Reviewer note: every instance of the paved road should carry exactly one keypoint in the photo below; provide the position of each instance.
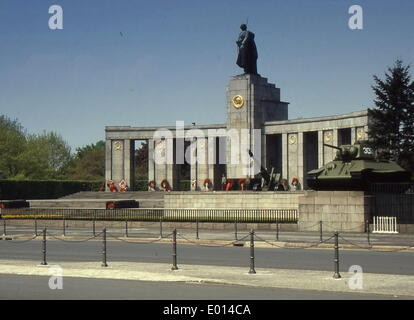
(36, 287)
(304, 259)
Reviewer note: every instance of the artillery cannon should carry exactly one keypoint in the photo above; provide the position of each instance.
(355, 168)
(270, 181)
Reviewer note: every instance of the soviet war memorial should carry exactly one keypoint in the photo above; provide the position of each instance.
(257, 153)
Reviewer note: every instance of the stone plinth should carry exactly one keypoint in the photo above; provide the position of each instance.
(259, 102)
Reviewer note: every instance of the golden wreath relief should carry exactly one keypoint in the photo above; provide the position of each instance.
(237, 101)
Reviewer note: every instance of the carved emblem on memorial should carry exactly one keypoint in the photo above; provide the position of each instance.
(238, 101)
(292, 139)
(328, 136)
(360, 134)
(118, 145)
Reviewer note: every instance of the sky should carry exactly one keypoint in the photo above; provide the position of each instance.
(148, 63)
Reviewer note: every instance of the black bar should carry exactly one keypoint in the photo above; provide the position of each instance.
(64, 227)
(197, 237)
(252, 271)
(4, 227)
(277, 231)
(336, 260)
(126, 228)
(35, 226)
(104, 264)
(320, 231)
(44, 263)
(174, 254)
(368, 232)
(160, 227)
(235, 230)
(93, 227)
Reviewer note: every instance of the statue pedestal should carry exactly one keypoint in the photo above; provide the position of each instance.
(251, 101)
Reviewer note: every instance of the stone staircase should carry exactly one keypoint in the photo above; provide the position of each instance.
(97, 200)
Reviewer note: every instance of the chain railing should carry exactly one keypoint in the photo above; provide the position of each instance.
(251, 235)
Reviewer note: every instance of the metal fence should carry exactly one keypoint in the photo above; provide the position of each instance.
(157, 214)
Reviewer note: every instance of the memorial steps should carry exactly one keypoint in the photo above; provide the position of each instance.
(97, 200)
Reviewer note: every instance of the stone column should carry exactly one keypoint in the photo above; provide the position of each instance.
(129, 162)
(285, 159)
(300, 160)
(293, 156)
(170, 162)
(108, 162)
(353, 135)
(320, 149)
(151, 163)
(194, 164)
(202, 160)
(118, 160)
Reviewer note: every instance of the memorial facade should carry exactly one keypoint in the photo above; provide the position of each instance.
(257, 120)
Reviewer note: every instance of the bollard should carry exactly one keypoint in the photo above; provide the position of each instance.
(4, 227)
(160, 227)
(235, 230)
(104, 264)
(126, 228)
(277, 231)
(44, 263)
(336, 260)
(368, 231)
(197, 237)
(252, 271)
(174, 254)
(93, 227)
(64, 227)
(320, 232)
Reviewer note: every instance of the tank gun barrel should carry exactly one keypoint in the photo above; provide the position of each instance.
(331, 146)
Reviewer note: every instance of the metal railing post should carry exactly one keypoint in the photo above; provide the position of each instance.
(64, 227)
(368, 231)
(320, 231)
(235, 230)
(44, 263)
(93, 227)
(197, 237)
(252, 270)
(35, 226)
(174, 254)
(126, 228)
(277, 231)
(336, 260)
(160, 227)
(4, 227)
(104, 264)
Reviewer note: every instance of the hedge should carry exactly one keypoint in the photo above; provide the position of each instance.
(44, 189)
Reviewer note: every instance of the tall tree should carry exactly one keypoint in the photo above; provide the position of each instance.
(391, 128)
(88, 163)
(12, 144)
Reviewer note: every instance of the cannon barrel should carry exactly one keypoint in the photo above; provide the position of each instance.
(331, 146)
(263, 171)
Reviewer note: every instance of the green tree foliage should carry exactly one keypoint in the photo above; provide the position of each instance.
(46, 156)
(391, 123)
(12, 144)
(141, 162)
(31, 156)
(88, 162)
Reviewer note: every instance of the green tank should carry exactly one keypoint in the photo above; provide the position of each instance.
(355, 168)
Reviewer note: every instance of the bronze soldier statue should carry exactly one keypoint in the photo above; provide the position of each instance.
(247, 58)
